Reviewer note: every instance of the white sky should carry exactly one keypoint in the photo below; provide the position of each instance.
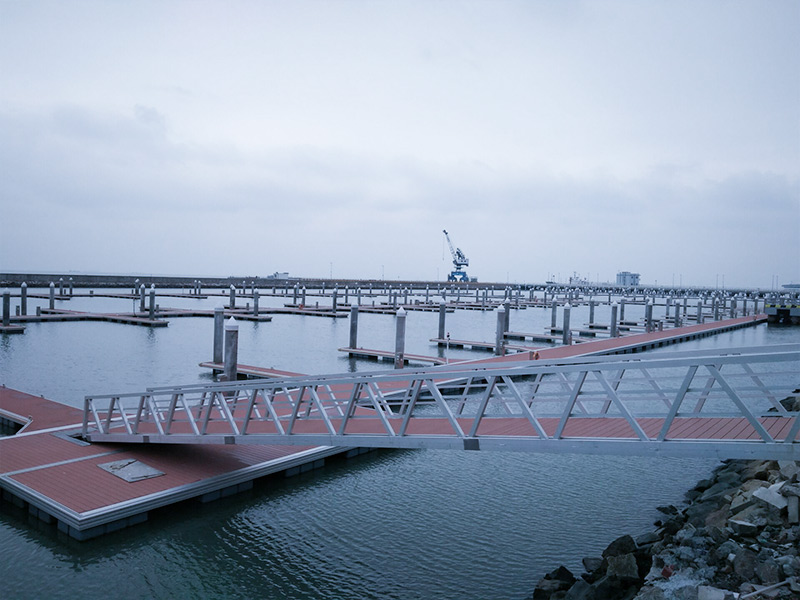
(319, 138)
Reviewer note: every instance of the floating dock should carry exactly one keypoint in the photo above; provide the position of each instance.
(88, 490)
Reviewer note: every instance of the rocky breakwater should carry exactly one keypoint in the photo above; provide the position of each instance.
(736, 538)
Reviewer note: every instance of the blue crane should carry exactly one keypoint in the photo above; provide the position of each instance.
(459, 262)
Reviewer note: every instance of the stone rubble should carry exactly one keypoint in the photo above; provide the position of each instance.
(737, 538)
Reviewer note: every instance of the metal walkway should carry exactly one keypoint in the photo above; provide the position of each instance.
(726, 405)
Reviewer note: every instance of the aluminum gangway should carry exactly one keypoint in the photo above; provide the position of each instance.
(736, 403)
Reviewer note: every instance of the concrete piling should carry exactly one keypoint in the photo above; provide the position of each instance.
(23, 298)
(61, 286)
(507, 319)
(499, 347)
(6, 308)
(334, 297)
(565, 337)
(648, 317)
(553, 313)
(219, 322)
(400, 338)
(354, 326)
(52, 295)
(622, 309)
(613, 325)
(232, 300)
(152, 301)
(303, 296)
(442, 317)
(255, 302)
(141, 298)
(591, 312)
(231, 349)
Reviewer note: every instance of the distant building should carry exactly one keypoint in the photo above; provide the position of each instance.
(278, 275)
(627, 279)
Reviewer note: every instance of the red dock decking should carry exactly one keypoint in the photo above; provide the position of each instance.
(60, 480)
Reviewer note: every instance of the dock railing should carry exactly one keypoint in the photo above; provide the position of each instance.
(736, 403)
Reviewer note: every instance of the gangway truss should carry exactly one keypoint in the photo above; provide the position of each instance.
(733, 404)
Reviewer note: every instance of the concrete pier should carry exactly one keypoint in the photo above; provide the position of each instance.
(231, 349)
(6, 308)
(354, 326)
(400, 338)
(219, 323)
(499, 333)
(614, 332)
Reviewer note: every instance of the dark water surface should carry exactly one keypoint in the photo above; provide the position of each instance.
(390, 524)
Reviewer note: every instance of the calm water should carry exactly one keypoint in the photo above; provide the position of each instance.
(402, 524)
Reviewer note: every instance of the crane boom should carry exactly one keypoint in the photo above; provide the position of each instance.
(459, 261)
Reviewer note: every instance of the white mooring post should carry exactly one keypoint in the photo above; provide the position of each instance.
(152, 301)
(442, 317)
(334, 297)
(507, 320)
(219, 322)
(23, 298)
(61, 286)
(354, 326)
(232, 300)
(499, 347)
(565, 337)
(613, 326)
(231, 349)
(141, 298)
(554, 313)
(255, 302)
(591, 312)
(648, 317)
(622, 309)
(400, 338)
(52, 295)
(6, 308)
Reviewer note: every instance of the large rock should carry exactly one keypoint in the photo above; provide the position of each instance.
(621, 545)
(558, 580)
(581, 590)
(768, 572)
(744, 563)
(743, 528)
(771, 496)
(788, 469)
(623, 567)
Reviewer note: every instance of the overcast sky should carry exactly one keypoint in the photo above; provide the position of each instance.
(340, 138)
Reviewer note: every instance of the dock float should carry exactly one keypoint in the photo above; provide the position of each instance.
(250, 370)
(389, 355)
(464, 344)
(87, 490)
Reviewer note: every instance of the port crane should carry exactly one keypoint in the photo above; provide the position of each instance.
(459, 262)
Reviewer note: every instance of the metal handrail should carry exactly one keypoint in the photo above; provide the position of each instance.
(544, 403)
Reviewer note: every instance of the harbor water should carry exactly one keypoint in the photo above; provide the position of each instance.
(415, 524)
